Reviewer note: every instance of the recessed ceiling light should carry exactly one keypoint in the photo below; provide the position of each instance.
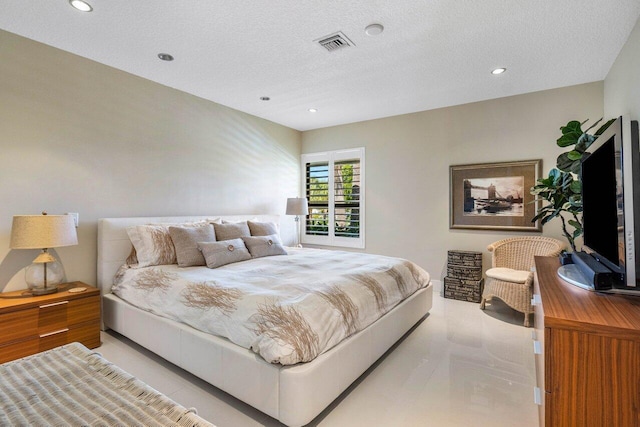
(82, 6)
(313, 110)
(165, 57)
(264, 98)
(374, 29)
(499, 71)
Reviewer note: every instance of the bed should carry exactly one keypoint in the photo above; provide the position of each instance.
(293, 394)
(72, 385)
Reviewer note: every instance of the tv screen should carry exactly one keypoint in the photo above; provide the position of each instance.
(608, 184)
(603, 203)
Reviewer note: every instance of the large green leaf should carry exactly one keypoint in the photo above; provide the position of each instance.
(574, 155)
(564, 163)
(572, 126)
(576, 187)
(568, 139)
(575, 223)
(604, 127)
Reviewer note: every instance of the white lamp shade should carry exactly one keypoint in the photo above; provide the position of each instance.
(43, 231)
(297, 206)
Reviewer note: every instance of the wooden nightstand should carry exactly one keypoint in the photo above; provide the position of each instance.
(37, 323)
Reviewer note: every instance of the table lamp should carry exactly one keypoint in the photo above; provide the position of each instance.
(297, 206)
(43, 232)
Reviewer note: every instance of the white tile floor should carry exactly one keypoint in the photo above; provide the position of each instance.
(459, 367)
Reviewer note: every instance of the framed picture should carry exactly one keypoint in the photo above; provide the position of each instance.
(494, 196)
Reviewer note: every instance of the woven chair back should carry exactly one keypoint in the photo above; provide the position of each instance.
(519, 252)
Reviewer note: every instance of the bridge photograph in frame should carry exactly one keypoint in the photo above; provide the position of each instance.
(494, 196)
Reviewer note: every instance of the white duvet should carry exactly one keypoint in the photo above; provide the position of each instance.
(287, 308)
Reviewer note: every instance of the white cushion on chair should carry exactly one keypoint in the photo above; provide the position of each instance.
(509, 275)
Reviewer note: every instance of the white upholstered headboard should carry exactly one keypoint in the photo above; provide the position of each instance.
(114, 245)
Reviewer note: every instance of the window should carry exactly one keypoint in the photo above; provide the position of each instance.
(334, 187)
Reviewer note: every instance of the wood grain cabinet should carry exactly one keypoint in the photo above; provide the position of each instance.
(30, 325)
(587, 349)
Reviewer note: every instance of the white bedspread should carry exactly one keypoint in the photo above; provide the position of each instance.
(288, 308)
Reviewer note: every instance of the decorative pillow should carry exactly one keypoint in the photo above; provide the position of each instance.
(230, 231)
(224, 252)
(185, 240)
(153, 243)
(260, 246)
(262, 228)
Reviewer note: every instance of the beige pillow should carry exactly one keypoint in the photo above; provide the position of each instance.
(153, 243)
(230, 231)
(185, 240)
(260, 246)
(224, 252)
(262, 228)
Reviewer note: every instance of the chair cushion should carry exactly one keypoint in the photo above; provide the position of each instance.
(509, 274)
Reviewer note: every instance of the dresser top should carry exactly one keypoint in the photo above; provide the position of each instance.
(569, 306)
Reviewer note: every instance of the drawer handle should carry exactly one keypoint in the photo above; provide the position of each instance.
(54, 304)
(537, 396)
(537, 347)
(54, 333)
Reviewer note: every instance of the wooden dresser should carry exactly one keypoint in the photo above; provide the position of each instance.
(587, 349)
(33, 324)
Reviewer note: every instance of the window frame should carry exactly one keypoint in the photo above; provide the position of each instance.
(332, 157)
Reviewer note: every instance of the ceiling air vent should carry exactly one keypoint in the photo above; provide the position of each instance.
(335, 41)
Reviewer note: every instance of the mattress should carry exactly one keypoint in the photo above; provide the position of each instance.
(71, 385)
(288, 308)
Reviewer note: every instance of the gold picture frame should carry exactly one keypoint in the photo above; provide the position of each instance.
(494, 196)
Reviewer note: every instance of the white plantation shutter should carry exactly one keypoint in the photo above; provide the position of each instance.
(346, 196)
(334, 186)
(317, 193)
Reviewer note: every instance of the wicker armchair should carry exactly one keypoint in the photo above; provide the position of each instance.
(510, 278)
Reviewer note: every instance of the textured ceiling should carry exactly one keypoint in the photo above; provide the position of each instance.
(432, 53)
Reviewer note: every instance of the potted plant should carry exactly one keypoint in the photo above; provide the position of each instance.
(562, 188)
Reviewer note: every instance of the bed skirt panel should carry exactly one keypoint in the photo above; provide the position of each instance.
(296, 394)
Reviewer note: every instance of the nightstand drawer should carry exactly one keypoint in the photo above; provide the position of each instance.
(18, 325)
(17, 350)
(85, 334)
(61, 314)
(88, 334)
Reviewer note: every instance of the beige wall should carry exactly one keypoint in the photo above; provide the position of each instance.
(78, 136)
(408, 158)
(622, 85)
(82, 137)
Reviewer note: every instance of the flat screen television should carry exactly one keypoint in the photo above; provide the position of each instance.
(610, 190)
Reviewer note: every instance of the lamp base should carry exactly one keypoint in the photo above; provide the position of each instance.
(50, 289)
(44, 278)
